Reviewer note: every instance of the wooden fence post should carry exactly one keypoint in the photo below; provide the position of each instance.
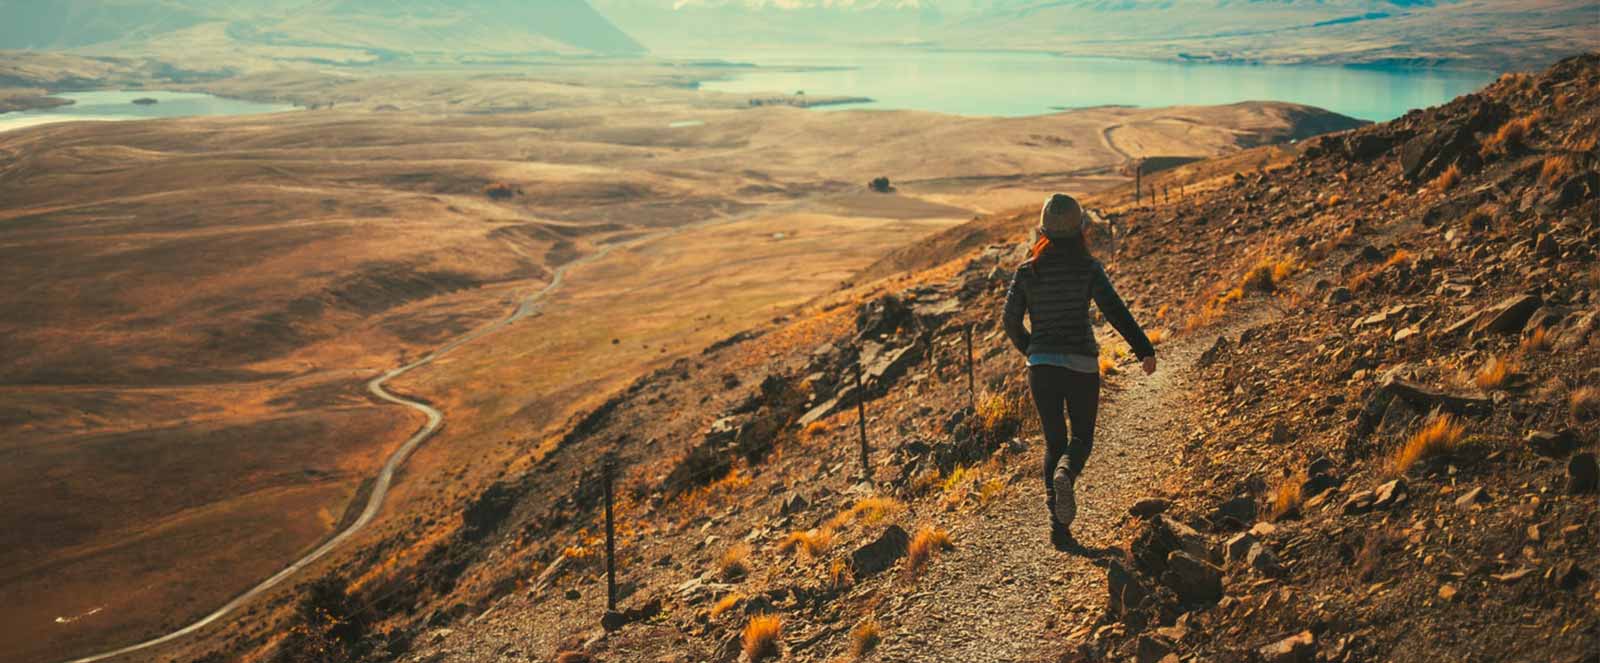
(861, 420)
(972, 385)
(611, 537)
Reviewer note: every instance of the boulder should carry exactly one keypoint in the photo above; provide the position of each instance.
(1264, 561)
(1161, 536)
(1193, 579)
(1238, 512)
(881, 554)
(1238, 547)
(1359, 502)
(883, 317)
(1125, 592)
(1509, 316)
(1152, 648)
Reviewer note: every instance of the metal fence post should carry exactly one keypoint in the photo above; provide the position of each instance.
(861, 420)
(611, 537)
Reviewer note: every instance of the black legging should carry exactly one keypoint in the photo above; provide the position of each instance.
(1052, 386)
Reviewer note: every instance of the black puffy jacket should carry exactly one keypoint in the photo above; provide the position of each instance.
(1054, 291)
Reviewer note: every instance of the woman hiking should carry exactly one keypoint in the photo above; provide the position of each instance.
(1054, 288)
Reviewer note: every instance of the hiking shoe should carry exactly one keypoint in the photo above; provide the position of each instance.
(1060, 536)
(1066, 501)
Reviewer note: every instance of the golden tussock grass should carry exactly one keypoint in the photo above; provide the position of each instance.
(840, 577)
(1511, 136)
(926, 481)
(1448, 179)
(1362, 279)
(1557, 169)
(812, 543)
(1286, 497)
(864, 638)
(761, 637)
(1493, 374)
(1536, 341)
(1108, 366)
(814, 429)
(1157, 336)
(704, 496)
(1001, 415)
(867, 511)
(725, 604)
(734, 563)
(1440, 436)
(1584, 405)
(928, 543)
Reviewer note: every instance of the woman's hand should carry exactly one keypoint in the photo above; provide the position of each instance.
(1149, 365)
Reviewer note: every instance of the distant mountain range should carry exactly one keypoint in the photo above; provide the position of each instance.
(1475, 33)
(506, 26)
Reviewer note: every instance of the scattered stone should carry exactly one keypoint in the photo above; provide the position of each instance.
(1552, 445)
(1150, 507)
(1512, 576)
(1241, 509)
(1264, 561)
(793, 504)
(1152, 649)
(1448, 592)
(881, 553)
(1474, 496)
(1235, 549)
(1582, 473)
(1568, 575)
(573, 595)
(1359, 502)
(1124, 591)
(1339, 295)
(1298, 648)
(1193, 579)
(1507, 317)
(1218, 348)
(1390, 494)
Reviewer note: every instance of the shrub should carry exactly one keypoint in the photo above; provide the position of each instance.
(813, 543)
(1536, 341)
(734, 563)
(725, 604)
(500, 191)
(1157, 336)
(864, 638)
(761, 637)
(815, 429)
(1440, 436)
(1286, 497)
(1584, 405)
(1363, 279)
(1448, 179)
(840, 577)
(1511, 136)
(867, 511)
(1000, 416)
(1557, 169)
(924, 546)
(1493, 374)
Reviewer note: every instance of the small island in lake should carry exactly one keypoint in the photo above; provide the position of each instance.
(146, 101)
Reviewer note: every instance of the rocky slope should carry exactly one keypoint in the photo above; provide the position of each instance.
(1373, 438)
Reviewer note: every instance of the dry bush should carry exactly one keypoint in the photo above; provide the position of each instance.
(1448, 179)
(500, 191)
(1000, 416)
(734, 563)
(1537, 341)
(725, 604)
(1557, 169)
(1512, 136)
(813, 543)
(840, 577)
(867, 511)
(1286, 497)
(924, 546)
(1493, 374)
(761, 637)
(1441, 436)
(864, 638)
(1584, 405)
(1364, 278)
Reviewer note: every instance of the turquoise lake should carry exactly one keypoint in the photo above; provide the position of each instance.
(118, 105)
(1020, 84)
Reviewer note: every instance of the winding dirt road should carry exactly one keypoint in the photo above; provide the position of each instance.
(526, 307)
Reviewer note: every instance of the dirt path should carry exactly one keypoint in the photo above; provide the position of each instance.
(996, 596)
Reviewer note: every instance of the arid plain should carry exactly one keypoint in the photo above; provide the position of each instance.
(192, 307)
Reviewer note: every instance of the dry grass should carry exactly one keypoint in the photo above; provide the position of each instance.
(815, 429)
(1448, 179)
(1584, 405)
(1493, 374)
(864, 638)
(734, 563)
(1269, 275)
(1365, 278)
(1108, 366)
(1157, 336)
(574, 657)
(928, 543)
(840, 577)
(725, 604)
(1286, 497)
(1511, 136)
(1001, 416)
(1537, 341)
(1440, 436)
(1557, 169)
(761, 637)
(813, 543)
(867, 511)
(926, 481)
